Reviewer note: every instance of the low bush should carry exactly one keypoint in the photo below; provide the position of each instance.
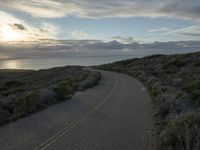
(183, 133)
(4, 88)
(64, 90)
(191, 86)
(23, 105)
(195, 94)
(3, 115)
(13, 83)
(91, 81)
(173, 63)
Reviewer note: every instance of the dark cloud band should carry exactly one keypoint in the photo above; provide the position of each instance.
(184, 9)
(74, 48)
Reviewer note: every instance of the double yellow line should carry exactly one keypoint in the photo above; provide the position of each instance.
(67, 128)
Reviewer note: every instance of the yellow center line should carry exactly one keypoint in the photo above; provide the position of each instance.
(67, 128)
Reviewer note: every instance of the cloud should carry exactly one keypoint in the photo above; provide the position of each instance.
(125, 40)
(182, 9)
(17, 26)
(41, 9)
(7, 18)
(82, 48)
(23, 30)
(188, 31)
(80, 35)
(159, 30)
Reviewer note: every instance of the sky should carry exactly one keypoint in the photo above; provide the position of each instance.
(123, 20)
(39, 30)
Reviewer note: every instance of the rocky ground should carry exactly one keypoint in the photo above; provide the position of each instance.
(26, 91)
(174, 85)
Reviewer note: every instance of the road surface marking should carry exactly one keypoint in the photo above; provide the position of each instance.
(67, 128)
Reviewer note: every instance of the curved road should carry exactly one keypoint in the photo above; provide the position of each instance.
(114, 115)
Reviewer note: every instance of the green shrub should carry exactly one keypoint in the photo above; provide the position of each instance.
(81, 77)
(4, 88)
(91, 81)
(3, 115)
(173, 63)
(6, 93)
(182, 133)
(196, 64)
(23, 105)
(196, 96)
(154, 93)
(64, 90)
(14, 83)
(192, 86)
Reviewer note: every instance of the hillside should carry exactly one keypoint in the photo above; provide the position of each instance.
(173, 82)
(26, 91)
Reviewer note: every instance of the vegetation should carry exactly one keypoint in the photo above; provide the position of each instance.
(174, 85)
(90, 81)
(21, 106)
(182, 132)
(23, 92)
(64, 90)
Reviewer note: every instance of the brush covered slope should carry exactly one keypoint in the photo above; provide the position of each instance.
(26, 91)
(173, 82)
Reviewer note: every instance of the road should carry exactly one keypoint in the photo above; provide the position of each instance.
(114, 115)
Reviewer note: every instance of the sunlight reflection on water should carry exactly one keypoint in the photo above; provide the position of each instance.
(49, 63)
(10, 64)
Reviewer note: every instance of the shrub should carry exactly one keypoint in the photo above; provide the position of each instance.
(183, 133)
(154, 93)
(4, 88)
(3, 115)
(23, 105)
(47, 97)
(13, 83)
(80, 77)
(6, 93)
(196, 96)
(192, 86)
(173, 63)
(91, 81)
(64, 90)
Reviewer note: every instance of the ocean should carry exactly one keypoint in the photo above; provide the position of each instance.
(45, 63)
(55, 62)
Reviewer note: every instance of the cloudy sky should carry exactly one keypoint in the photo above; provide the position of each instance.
(47, 33)
(122, 20)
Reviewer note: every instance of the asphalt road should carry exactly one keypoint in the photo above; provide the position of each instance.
(114, 115)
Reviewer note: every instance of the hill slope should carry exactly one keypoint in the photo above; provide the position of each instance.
(174, 85)
(26, 91)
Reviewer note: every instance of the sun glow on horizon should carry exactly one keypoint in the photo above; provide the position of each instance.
(11, 64)
(9, 34)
